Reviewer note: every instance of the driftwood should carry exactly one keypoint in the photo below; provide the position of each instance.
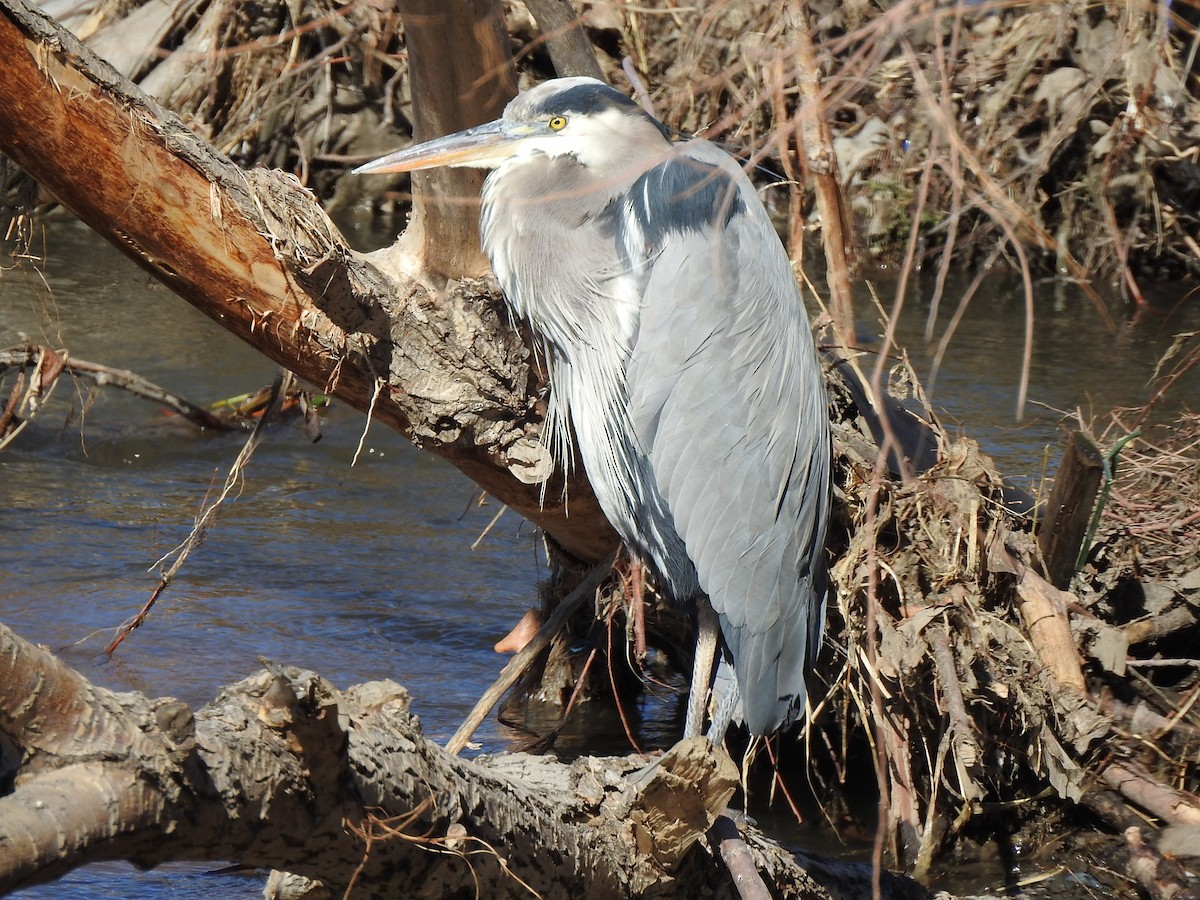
(282, 769)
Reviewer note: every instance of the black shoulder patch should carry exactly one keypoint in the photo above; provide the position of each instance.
(682, 195)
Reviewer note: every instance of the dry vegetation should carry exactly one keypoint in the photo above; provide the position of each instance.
(1068, 128)
(993, 703)
(1064, 134)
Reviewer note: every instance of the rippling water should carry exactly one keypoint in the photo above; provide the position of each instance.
(356, 571)
(1076, 362)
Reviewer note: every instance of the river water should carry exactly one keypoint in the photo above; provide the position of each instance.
(367, 570)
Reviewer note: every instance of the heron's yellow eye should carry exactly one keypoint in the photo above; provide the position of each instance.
(557, 123)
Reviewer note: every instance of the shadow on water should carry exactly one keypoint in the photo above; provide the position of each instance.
(362, 571)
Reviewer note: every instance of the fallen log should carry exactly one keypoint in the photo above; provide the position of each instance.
(282, 769)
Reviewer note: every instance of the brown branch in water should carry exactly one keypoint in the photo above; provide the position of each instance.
(106, 376)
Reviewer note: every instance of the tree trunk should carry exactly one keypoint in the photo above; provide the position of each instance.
(443, 232)
(284, 770)
(255, 252)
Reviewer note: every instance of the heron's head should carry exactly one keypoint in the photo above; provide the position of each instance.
(578, 117)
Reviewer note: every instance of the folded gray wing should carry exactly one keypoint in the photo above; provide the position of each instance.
(728, 403)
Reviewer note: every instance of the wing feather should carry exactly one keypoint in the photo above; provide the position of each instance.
(727, 402)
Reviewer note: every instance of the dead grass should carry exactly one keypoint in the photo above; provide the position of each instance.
(1064, 129)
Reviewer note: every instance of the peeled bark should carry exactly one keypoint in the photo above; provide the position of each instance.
(254, 251)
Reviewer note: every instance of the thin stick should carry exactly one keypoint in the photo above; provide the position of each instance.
(362, 438)
(639, 86)
(738, 859)
(204, 521)
(777, 781)
(520, 662)
(612, 680)
(22, 357)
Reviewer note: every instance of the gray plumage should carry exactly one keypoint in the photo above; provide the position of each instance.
(680, 359)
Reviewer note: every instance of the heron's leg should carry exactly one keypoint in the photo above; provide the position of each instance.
(708, 634)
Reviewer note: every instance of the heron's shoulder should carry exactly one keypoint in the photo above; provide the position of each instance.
(696, 188)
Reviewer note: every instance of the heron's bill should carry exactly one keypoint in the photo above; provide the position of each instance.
(482, 146)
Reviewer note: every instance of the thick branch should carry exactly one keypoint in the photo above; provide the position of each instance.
(255, 252)
(284, 770)
(570, 50)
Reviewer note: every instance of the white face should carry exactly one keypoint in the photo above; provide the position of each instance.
(586, 119)
(577, 117)
(598, 140)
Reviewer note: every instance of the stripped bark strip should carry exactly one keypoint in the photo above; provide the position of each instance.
(815, 141)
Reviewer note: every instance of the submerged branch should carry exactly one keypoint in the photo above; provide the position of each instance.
(29, 356)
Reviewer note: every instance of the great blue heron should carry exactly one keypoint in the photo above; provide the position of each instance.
(679, 352)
